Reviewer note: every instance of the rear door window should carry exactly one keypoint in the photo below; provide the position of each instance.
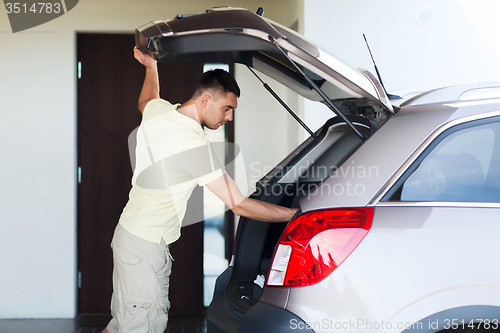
(463, 165)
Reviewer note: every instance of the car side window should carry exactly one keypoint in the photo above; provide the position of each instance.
(464, 166)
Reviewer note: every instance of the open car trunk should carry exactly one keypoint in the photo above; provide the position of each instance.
(240, 36)
(238, 288)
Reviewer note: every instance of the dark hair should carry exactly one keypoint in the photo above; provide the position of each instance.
(218, 80)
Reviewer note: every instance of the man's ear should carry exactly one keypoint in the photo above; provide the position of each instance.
(205, 98)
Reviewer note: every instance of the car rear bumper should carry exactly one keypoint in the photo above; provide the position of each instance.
(267, 318)
(261, 318)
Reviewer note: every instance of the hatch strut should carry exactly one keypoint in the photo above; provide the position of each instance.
(284, 104)
(332, 106)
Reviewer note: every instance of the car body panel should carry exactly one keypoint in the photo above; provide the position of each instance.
(403, 252)
(360, 177)
(364, 174)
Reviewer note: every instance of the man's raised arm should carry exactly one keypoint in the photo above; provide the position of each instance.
(151, 87)
(227, 190)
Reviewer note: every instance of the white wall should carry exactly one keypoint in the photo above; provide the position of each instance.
(418, 44)
(38, 146)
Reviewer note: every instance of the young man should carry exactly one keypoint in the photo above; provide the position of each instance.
(172, 158)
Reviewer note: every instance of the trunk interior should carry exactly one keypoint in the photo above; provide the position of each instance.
(285, 185)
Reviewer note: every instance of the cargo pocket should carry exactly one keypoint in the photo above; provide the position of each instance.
(158, 316)
(136, 319)
(164, 305)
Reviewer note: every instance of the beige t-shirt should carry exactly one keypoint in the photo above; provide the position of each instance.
(172, 158)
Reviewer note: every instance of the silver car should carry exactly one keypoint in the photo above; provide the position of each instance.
(399, 200)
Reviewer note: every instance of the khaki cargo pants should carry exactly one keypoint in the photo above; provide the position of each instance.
(141, 274)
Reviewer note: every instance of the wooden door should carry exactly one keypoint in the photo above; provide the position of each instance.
(109, 83)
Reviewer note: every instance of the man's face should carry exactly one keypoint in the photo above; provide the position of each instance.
(219, 110)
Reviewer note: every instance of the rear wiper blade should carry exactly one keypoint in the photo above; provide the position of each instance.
(313, 85)
(275, 95)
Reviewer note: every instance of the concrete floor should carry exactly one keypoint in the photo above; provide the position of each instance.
(77, 325)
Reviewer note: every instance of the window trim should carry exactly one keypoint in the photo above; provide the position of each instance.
(422, 151)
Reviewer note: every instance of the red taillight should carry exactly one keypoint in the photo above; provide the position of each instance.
(315, 243)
